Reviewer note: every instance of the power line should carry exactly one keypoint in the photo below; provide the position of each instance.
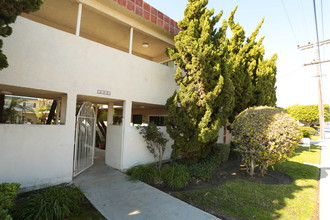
(287, 15)
(304, 26)
(322, 18)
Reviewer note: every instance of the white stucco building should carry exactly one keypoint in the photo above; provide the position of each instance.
(109, 52)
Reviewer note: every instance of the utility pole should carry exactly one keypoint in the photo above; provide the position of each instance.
(318, 62)
(318, 71)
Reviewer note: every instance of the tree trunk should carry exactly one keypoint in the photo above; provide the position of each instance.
(51, 112)
(2, 103)
(251, 170)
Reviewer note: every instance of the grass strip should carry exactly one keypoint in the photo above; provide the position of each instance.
(247, 200)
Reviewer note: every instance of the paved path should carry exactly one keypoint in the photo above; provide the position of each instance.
(325, 178)
(116, 197)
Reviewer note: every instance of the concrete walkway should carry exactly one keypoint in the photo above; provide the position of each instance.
(325, 178)
(116, 197)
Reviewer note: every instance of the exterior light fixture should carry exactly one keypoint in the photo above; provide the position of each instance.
(145, 45)
(4, 92)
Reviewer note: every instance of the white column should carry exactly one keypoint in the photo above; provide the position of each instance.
(70, 124)
(131, 40)
(78, 19)
(63, 110)
(110, 114)
(127, 115)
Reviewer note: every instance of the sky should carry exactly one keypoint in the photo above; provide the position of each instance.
(288, 23)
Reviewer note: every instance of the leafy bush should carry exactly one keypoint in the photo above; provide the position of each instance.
(176, 176)
(222, 152)
(204, 169)
(156, 142)
(308, 114)
(146, 173)
(53, 203)
(307, 132)
(8, 193)
(264, 136)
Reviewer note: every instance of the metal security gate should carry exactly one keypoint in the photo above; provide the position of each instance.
(84, 138)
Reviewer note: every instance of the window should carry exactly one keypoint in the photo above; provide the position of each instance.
(137, 119)
(158, 120)
(31, 110)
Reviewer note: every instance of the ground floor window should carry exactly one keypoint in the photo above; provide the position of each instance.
(158, 120)
(36, 107)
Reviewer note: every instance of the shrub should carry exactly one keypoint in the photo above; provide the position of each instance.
(52, 203)
(156, 142)
(222, 152)
(146, 173)
(8, 193)
(308, 114)
(204, 169)
(307, 132)
(176, 176)
(264, 136)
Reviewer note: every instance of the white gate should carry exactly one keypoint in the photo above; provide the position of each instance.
(84, 138)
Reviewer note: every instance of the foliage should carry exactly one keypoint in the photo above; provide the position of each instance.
(253, 76)
(9, 10)
(307, 132)
(239, 199)
(176, 176)
(15, 111)
(264, 136)
(204, 99)
(156, 142)
(53, 203)
(204, 169)
(8, 193)
(308, 114)
(42, 113)
(221, 152)
(147, 173)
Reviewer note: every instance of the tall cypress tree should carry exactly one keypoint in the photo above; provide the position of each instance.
(253, 77)
(204, 99)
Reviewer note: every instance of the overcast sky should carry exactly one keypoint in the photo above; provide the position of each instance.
(287, 24)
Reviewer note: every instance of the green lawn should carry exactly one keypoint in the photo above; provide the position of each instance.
(246, 200)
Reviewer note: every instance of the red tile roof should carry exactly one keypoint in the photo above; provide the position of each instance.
(150, 13)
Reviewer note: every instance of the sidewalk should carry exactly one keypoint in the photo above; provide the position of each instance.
(117, 198)
(325, 179)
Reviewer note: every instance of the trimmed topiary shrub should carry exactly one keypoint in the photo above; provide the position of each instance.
(147, 173)
(8, 193)
(53, 203)
(307, 132)
(176, 176)
(264, 136)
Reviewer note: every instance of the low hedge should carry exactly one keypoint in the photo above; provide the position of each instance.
(8, 193)
(53, 203)
(307, 132)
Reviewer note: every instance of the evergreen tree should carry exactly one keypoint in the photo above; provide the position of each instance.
(204, 99)
(253, 77)
(9, 10)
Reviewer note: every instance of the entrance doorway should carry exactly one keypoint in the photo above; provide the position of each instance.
(84, 138)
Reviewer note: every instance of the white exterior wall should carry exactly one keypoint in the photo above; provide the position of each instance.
(45, 58)
(35, 155)
(114, 146)
(136, 151)
(41, 57)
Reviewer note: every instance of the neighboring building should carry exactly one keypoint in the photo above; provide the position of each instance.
(84, 52)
